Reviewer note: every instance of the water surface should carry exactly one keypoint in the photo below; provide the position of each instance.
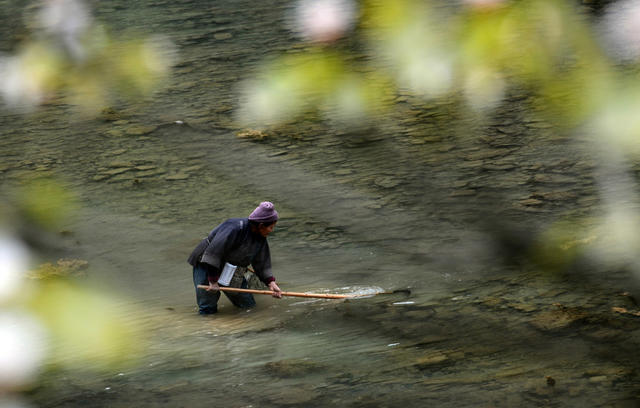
(428, 200)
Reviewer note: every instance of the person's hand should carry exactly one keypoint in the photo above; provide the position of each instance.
(213, 287)
(277, 293)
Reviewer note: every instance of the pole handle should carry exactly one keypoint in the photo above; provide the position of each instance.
(268, 292)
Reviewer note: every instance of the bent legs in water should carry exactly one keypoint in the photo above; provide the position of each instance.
(208, 301)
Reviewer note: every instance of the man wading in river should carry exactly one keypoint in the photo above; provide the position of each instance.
(223, 256)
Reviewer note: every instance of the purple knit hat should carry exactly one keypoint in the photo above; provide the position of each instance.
(264, 213)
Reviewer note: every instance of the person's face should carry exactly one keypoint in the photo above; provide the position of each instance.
(265, 231)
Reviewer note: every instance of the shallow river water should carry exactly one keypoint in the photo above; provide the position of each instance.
(429, 200)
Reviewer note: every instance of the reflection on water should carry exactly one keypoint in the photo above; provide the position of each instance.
(427, 200)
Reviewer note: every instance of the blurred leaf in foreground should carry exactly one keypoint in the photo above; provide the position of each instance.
(46, 202)
(73, 57)
(316, 81)
(87, 328)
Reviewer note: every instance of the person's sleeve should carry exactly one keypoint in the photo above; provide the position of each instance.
(262, 265)
(221, 243)
(213, 273)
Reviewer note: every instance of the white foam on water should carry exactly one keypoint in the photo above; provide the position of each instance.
(355, 291)
(359, 291)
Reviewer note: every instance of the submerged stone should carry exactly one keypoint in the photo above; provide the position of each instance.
(114, 132)
(464, 193)
(293, 396)
(386, 182)
(100, 177)
(430, 360)
(292, 367)
(529, 202)
(146, 167)
(109, 114)
(118, 163)
(554, 196)
(196, 167)
(149, 173)
(116, 171)
(252, 134)
(222, 36)
(343, 172)
(139, 130)
(559, 318)
(523, 307)
(177, 176)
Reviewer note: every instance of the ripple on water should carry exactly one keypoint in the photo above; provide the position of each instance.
(359, 291)
(355, 291)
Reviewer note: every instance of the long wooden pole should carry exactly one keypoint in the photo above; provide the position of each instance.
(268, 292)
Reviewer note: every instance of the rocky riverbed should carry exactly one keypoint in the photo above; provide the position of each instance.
(511, 340)
(454, 206)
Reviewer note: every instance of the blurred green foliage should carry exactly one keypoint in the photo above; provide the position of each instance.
(477, 51)
(84, 327)
(45, 202)
(113, 68)
(566, 241)
(435, 50)
(88, 69)
(317, 81)
(87, 328)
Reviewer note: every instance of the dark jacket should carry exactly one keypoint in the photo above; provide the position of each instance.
(235, 243)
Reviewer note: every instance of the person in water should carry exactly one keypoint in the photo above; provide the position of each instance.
(238, 242)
